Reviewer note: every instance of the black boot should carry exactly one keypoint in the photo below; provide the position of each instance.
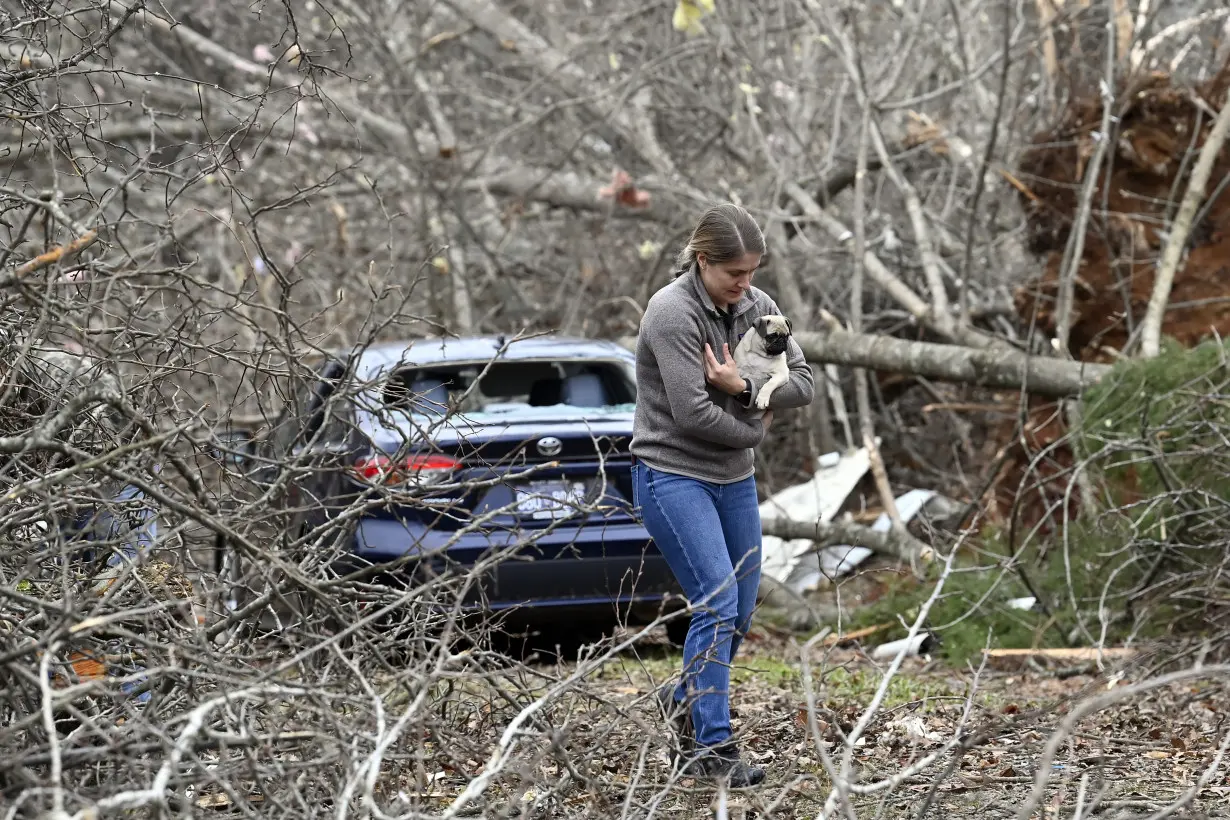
(679, 719)
(723, 763)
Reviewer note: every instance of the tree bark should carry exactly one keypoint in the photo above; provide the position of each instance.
(983, 367)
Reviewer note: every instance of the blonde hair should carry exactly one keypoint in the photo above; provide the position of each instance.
(725, 232)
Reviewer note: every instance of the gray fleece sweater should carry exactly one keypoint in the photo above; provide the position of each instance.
(683, 424)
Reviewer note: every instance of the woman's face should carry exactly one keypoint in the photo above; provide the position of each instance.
(726, 282)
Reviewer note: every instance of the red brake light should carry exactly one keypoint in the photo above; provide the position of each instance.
(419, 468)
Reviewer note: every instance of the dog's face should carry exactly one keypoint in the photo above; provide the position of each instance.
(775, 330)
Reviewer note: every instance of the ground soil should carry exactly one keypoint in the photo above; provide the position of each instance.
(1161, 128)
(1138, 755)
(1160, 125)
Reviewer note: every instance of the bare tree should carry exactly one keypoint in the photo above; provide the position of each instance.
(202, 205)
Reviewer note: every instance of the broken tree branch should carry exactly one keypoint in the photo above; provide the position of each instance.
(54, 255)
(1176, 242)
(913, 204)
(942, 323)
(1075, 250)
(897, 543)
(862, 398)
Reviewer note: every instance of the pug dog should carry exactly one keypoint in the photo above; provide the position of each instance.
(761, 354)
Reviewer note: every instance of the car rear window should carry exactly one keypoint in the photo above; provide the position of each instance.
(534, 387)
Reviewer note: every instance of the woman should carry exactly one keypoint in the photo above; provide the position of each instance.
(694, 482)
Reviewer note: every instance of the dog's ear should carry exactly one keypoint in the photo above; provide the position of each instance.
(760, 324)
(789, 326)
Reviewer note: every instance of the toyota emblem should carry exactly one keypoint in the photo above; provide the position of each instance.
(550, 446)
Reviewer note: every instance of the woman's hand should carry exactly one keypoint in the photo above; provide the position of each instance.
(767, 419)
(725, 376)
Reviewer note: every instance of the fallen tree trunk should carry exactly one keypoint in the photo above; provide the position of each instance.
(988, 367)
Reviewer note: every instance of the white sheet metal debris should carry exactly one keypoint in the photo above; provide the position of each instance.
(795, 563)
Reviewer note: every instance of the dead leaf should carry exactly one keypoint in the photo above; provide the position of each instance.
(1157, 754)
(688, 14)
(87, 667)
(623, 191)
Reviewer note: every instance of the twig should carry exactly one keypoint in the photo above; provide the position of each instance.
(1088, 707)
(981, 174)
(879, 273)
(1210, 771)
(913, 205)
(636, 129)
(50, 203)
(861, 397)
(52, 256)
(1067, 653)
(49, 726)
(1075, 249)
(16, 238)
(897, 543)
(842, 782)
(445, 136)
(157, 791)
(1050, 56)
(1020, 186)
(1145, 49)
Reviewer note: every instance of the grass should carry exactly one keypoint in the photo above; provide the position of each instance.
(973, 612)
(834, 684)
(1154, 438)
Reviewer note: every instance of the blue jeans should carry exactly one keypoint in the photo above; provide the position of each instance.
(709, 534)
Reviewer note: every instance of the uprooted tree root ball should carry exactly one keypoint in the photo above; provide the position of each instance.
(1158, 127)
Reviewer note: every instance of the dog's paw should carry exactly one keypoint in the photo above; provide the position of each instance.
(762, 401)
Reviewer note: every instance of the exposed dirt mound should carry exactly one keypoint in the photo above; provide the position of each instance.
(1159, 131)
(1158, 127)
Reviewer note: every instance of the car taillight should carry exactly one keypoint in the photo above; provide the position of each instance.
(424, 468)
